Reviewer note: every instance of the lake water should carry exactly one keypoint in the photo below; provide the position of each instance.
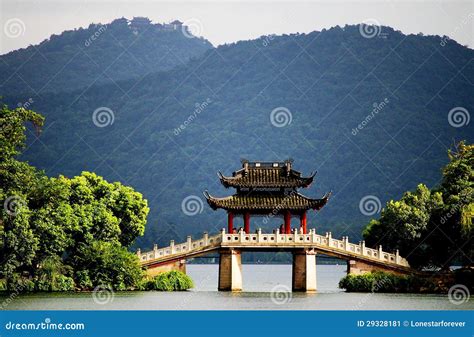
(265, 287)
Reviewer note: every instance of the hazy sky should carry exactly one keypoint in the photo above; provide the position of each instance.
(226, 21)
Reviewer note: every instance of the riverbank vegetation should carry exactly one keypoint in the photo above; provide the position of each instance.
(169, 281)
(61, 233)
(431, 228)
(382, 282)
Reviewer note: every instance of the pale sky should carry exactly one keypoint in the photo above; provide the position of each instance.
(25, 22)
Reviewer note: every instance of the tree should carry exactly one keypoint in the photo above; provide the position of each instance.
(404, 225)
(457, 188)
(432, 227)
(54, 228)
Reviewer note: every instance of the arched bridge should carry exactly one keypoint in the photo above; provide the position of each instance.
(303, 246)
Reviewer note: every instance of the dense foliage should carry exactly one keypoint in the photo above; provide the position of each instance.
(432, 227)
(170, 281)
(63, 233)
(328, 80)
(382, 282)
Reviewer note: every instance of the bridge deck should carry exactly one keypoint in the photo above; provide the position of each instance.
(323, 244)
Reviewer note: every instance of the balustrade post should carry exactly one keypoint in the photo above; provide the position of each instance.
(329, 236)
(259, 235)
(277, 235)
(206, 238)
(397, 257)
(380, 253)
(346, 242)
(362, 247)
(189, 242)
(139, 253)
(172, 247)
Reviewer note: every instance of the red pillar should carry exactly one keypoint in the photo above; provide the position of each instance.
(247, 222)
(303, 223)
(230, 222)
(287, 222)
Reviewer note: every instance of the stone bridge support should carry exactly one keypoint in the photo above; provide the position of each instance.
(179, 265)
(360, 267)
(230, 270)
(304, 270)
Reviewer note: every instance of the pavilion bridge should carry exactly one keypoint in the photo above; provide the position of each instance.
(270, 189)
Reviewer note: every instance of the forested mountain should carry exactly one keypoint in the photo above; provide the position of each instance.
(373, 115)
(123, 49)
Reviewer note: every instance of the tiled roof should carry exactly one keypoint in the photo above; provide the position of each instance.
(266, 177)
(267, 203)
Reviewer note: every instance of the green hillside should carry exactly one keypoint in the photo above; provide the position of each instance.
(172, 132)
(98, 54)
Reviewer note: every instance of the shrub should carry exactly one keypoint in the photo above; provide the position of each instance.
(382, 282)
(63, 283)
(170, 281)
(19, 284)
(83, 280)
(3, 285)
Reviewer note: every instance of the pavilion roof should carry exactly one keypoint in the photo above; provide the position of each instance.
(265, 203)
(266, 175)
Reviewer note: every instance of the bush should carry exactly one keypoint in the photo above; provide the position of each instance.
(83, 280)
(63, 283)
(3, 285)
(382, 282)
(19, 284)
(170, 281)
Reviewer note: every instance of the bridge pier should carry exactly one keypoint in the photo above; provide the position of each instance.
(230, 270)
(304, 270)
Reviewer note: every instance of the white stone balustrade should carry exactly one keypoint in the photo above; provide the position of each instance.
(259, 239)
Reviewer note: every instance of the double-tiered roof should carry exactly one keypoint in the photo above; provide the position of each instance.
(265, 188)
